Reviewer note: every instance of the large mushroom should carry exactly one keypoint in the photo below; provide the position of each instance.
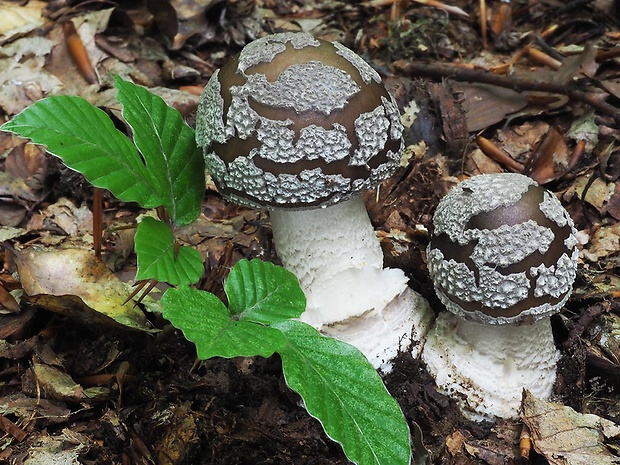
(302, 127)
(503, 258)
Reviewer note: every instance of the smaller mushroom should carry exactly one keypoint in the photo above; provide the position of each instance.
(503, 258)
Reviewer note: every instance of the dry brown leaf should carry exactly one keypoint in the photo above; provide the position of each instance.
(518, 141)
(77, 272)
(22, 78)
(486, 105)
(11, 214)
(613, 205)
(54, 450)
(455, 443)
(57, 384)
(28, 161)
(180, 20)
(7, 300)
(483, 164)
(17, 18)
(63, 66)
(605, 333)
(71, 219)
(604, 242)
(24, 407)
(550, 158)
(596, 192)
(566, 437)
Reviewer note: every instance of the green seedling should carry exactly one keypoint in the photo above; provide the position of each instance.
(162, 168)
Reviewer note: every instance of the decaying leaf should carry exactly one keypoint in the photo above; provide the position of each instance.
(70, 218)
(180, 20)
(605, 332)
(52, 450)
(604, 242)
(18, 19)
(585, 128)
(486, 105)
(77, 273)
(181, 433)
(593, 190)
(7, 300)
(463, 447)
(23, 407)
(57, 384)
(22, 79)
(600, 286)
(549, 159)
(566, 437)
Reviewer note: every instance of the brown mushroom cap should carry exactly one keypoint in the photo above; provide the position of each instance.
(296, 122)
(503, 249)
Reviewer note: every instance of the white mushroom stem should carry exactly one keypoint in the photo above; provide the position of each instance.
(485, 367)
(338, 259)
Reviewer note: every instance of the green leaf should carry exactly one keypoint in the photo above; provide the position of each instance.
(85, 138)
(169, 149)
(206, 321)
(169, 173)
(263, 292)
(343, 391)
(159, 259)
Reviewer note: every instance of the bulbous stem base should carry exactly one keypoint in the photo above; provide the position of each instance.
(339, 262)
(485, 367)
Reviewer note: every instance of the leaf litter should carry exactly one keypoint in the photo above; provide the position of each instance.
(554, 81)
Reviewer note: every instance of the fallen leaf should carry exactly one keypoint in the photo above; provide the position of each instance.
(180, 20)
(605, 332)
(51, 450)
(11, 214)
(595, 191)
(24, 408)
(7, 300)
(566, 437)
(78, 273)
(585, 128)
(599, 285)
(7, 233)
(613, 205)
(28, 161)
(71, 219)
(180, 433)
(549, 159)
(57, 384)
(22, 78)
(19, 18)
(486, 105)
(604, 242)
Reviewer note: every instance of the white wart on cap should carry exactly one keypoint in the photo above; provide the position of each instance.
(503, 249)
(297, 122)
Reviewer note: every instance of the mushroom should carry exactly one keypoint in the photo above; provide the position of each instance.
(302, 127)
(503, 258)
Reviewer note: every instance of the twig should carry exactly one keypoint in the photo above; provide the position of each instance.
(518, 84)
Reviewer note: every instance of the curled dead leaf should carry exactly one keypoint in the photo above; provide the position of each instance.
(566, 437)
(74, 281)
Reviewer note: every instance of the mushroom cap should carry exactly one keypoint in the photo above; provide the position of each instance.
(297, 122)
(503, 250)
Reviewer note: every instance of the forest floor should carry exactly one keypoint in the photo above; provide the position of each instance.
(535, 88)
